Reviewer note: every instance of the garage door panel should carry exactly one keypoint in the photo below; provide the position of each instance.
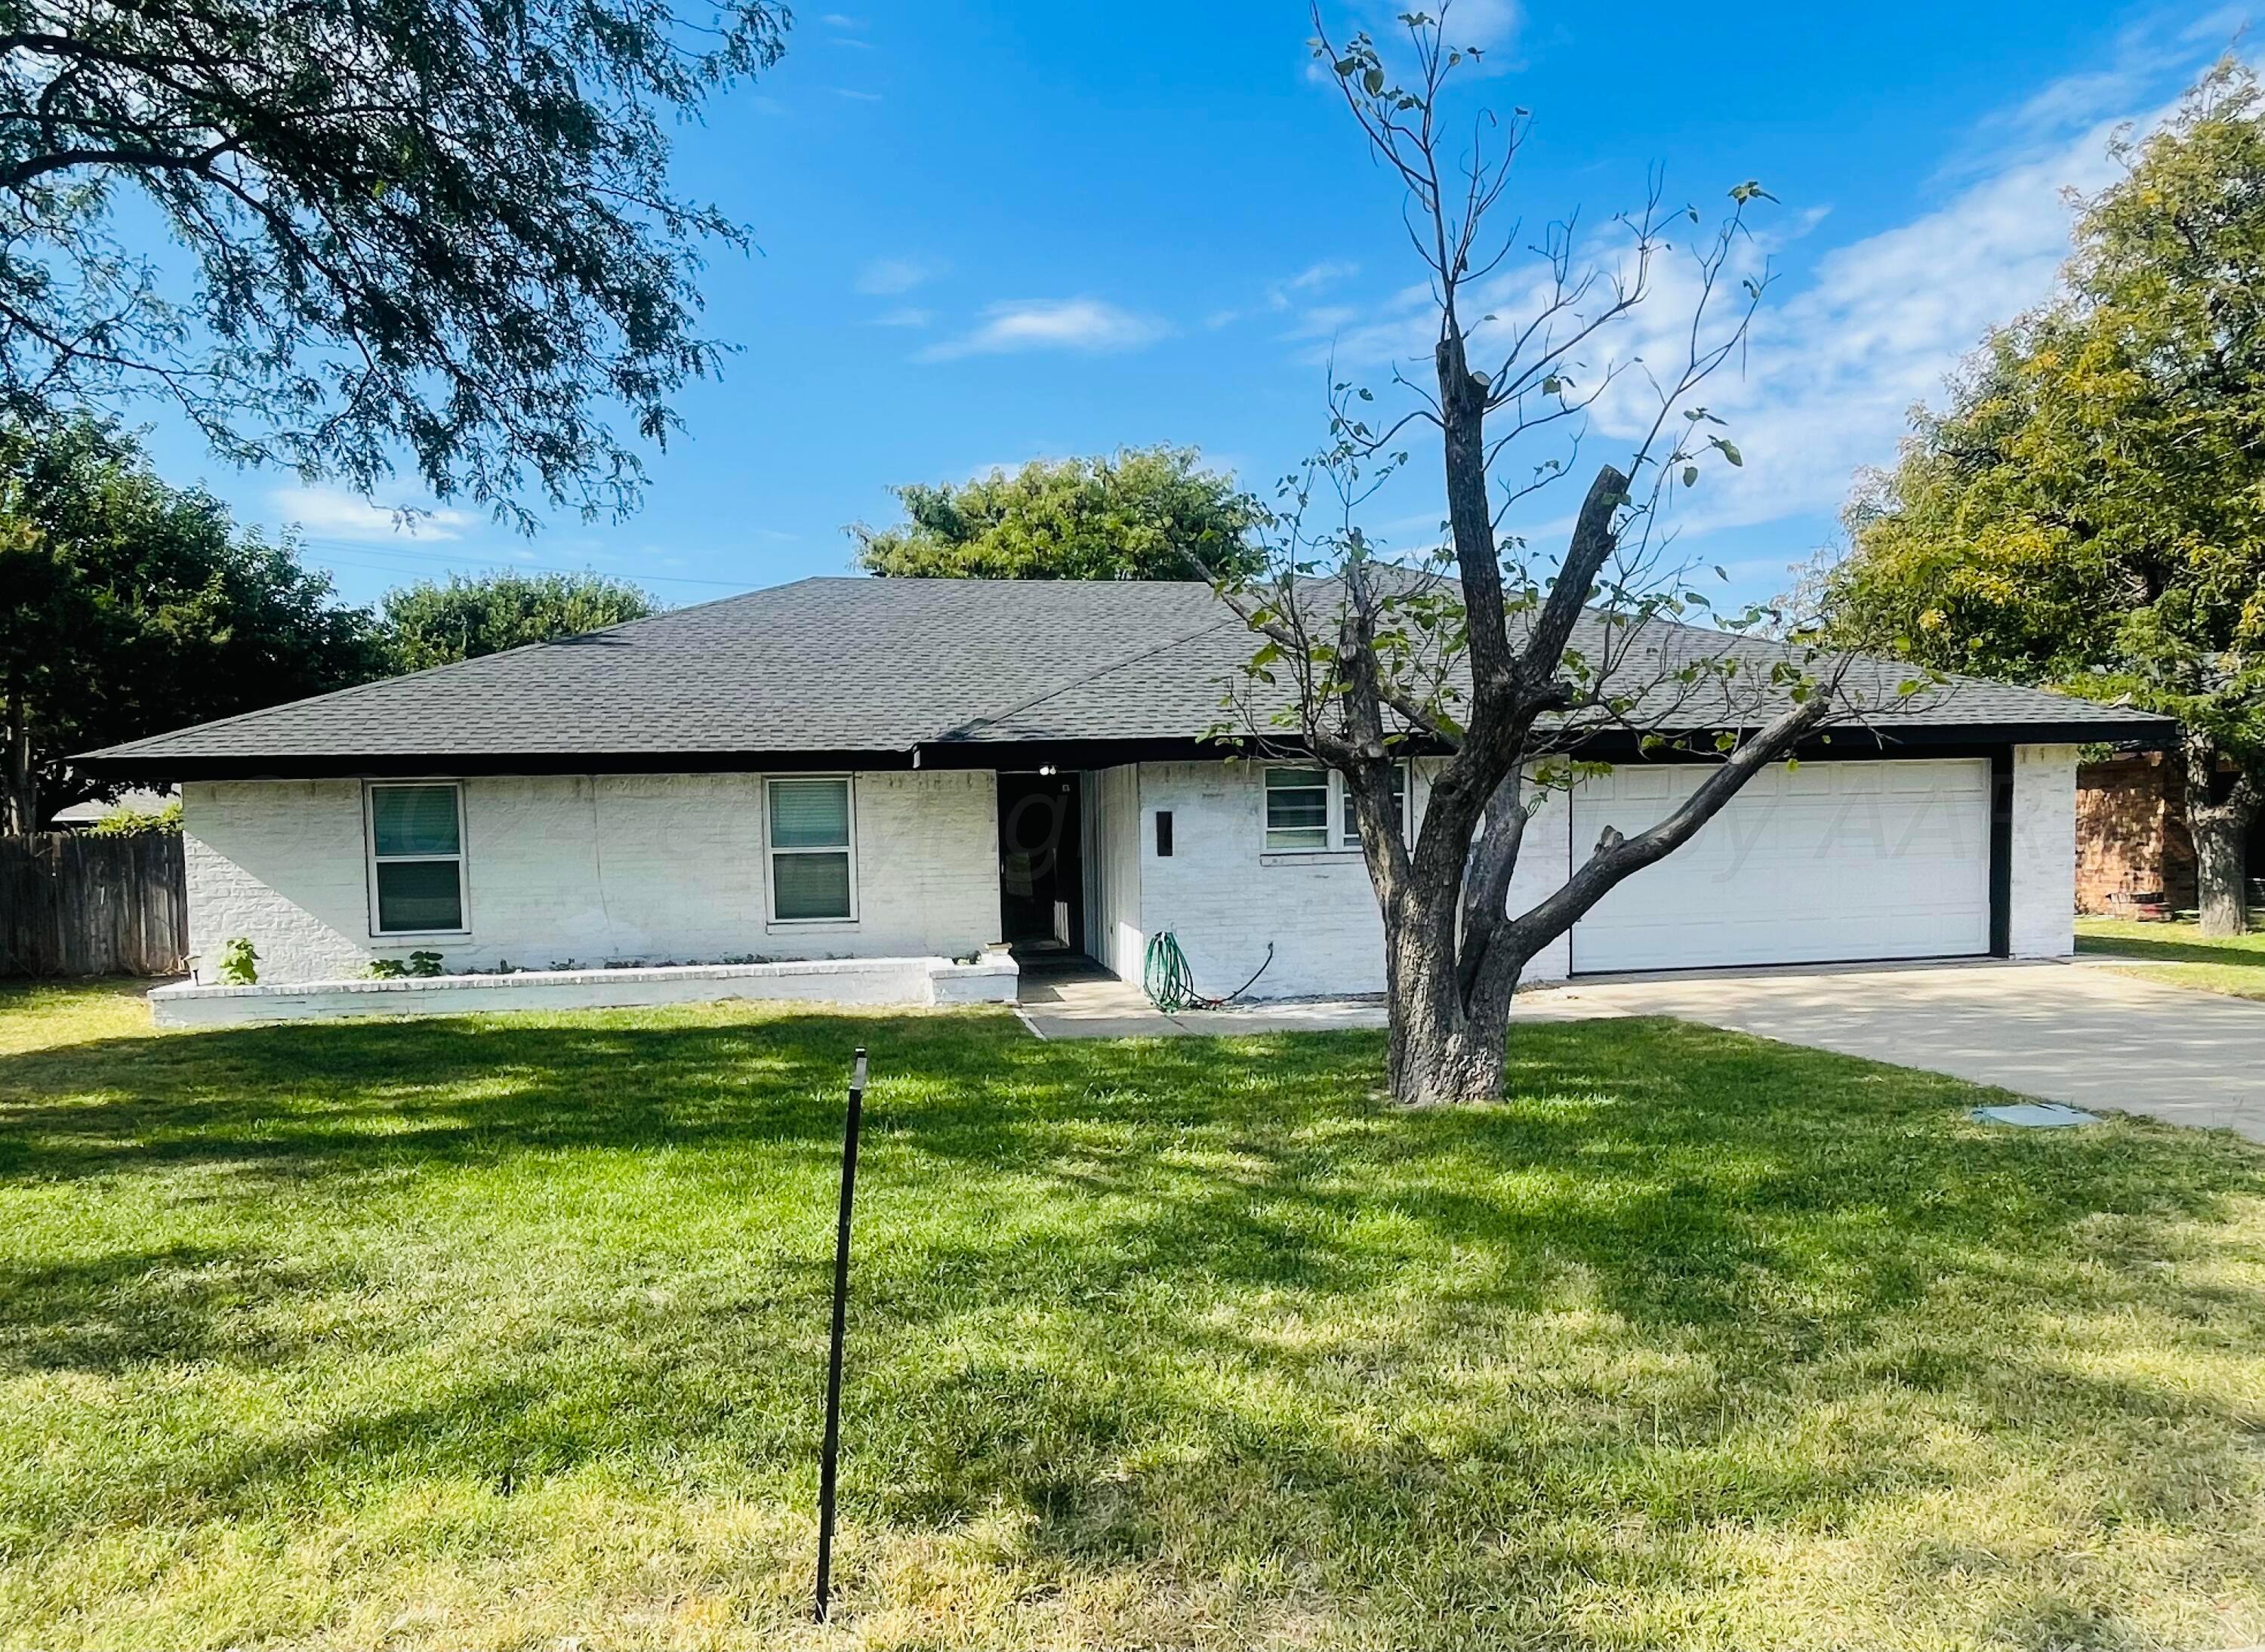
(1827, 862)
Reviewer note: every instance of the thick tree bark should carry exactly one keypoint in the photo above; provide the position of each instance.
(19, 779)
(1450, 1024)
(1437, 1054)
(2220, 871)
(2220, 830)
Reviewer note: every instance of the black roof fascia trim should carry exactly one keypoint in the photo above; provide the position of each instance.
(1848, 744)
(483, 763)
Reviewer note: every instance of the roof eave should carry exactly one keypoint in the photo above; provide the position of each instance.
(1066, 751)
(179, 768)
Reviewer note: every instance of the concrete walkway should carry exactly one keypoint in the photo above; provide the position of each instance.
(1082, 1002)
(2087, 1037)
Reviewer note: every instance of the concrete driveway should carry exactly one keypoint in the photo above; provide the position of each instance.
(2073, 1033)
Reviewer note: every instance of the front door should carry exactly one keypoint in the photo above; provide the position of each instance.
(1041, 878)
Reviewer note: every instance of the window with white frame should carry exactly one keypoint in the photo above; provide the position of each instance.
(1298, 808)
(813, 849)
(1349, 828)
(1306, 809)
(416, 836)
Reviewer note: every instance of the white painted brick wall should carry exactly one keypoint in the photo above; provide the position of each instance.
(595, 870)
(1225, 898)
(2041, 911)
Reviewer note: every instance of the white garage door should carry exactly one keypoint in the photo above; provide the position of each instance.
(1829, 862)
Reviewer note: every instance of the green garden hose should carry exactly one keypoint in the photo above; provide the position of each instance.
(1171, 985)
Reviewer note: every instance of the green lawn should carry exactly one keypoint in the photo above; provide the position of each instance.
(2176, 955)
(510, 1332)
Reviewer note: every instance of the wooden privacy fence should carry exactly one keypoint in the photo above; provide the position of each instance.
(74, 904)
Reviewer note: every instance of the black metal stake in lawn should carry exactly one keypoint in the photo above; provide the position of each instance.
(833, 1448)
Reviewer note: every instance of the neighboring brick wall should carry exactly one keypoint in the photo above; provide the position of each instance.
(2131, 832)
(2042, 915)
(603, 870)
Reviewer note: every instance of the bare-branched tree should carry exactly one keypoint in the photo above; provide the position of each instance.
(1511, 675)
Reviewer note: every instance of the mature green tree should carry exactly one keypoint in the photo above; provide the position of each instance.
(403, 225)
(1140, 513)
(127, 607)
(433, 623)
(2089, 511)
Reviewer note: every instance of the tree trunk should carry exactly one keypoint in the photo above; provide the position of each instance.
(1437, 1054)
(2219, 827)
(19, 781)
(2221, 877)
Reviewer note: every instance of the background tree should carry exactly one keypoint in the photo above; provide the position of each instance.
(436, 623)
(1509, 666)
(446, 229)
(127, 607)
(2087, 512)
(1140, 513)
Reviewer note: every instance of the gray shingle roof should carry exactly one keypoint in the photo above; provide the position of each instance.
(851, 665)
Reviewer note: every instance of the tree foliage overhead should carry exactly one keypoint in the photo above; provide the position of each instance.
(435, 624)
(127, 608)
(408, 224)
(1140, 513)
(2089, 510)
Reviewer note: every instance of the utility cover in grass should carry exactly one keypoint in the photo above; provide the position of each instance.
(2036, 1114)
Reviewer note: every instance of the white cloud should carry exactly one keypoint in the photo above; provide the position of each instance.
(1492, 26)
(1312, 278)
(905, 316)
(1323, 321)
(1086, 325)
(332, 513)
(856, 97)
(1857, 334)
(1489, 23)
(841, 20)
(883, 277)
(1833, 370)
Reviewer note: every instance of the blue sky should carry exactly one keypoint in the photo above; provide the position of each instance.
(995, 232)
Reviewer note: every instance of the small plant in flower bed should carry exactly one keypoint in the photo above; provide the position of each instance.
(239, 963)
(422, 964)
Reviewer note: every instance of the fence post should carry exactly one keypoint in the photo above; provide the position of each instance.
(831, 1451)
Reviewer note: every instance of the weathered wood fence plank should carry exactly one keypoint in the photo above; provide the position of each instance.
(75, 904)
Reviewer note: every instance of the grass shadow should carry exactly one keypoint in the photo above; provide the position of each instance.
(2245, 953)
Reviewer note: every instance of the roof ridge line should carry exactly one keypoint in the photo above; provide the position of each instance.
(992, 718)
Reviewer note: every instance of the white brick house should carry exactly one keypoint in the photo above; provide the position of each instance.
(914, 770)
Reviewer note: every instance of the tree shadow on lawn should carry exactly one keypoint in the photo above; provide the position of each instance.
(1184, 1301)
(179, 1303)
(2148, 949)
